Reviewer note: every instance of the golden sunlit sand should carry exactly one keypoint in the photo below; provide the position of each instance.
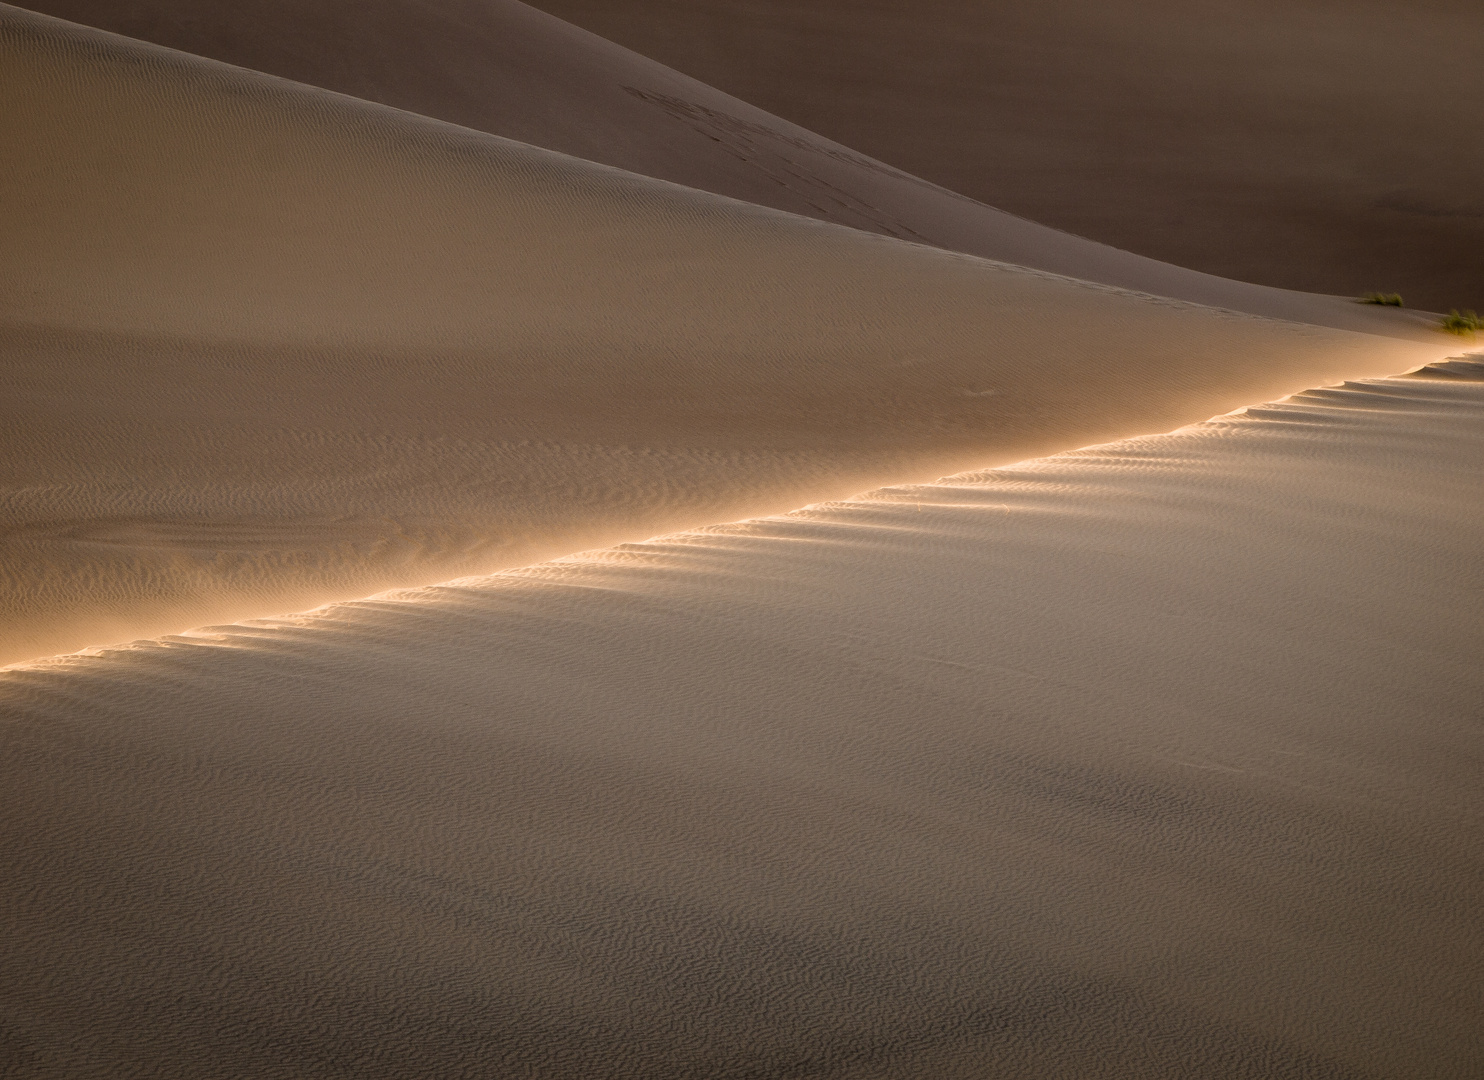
(268, 346)
(1111, 753)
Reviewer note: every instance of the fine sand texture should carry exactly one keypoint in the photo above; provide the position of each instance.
(265, 346)
(504, 68)
(1313, 144)
(1158, 759)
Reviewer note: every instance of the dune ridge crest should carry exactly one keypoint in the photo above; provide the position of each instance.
(1314, 404)
(267, 346)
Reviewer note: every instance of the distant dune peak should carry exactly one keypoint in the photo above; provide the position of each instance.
(1309, 144)
(502, 67)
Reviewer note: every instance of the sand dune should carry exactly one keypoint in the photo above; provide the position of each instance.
(266, 346)
(1156, 759)
(1310, 144)
(502, 67)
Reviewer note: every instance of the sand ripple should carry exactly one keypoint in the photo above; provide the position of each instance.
(1156, 759)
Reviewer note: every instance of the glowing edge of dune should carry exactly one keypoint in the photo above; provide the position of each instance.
(221, 635)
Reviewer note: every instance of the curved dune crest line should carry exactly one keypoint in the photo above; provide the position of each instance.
(265, 346)
(1226, 136)
(503, 67)
(1157, 760)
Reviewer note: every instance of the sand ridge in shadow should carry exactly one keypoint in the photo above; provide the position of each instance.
(1309, 144)
(503, 67)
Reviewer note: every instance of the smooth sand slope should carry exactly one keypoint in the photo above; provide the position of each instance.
(265, 346)
(1155, 760)
(502, 67)
(1311, 144)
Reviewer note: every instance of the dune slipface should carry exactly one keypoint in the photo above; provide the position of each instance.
(266, 346)
(1156, 759)
(503, 67)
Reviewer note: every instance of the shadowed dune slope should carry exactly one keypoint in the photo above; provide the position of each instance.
(1159, 759)
(266, 346)
(1311, 144)
(502, 67)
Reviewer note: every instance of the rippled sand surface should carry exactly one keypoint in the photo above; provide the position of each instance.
(1155, 759)
(265, 346)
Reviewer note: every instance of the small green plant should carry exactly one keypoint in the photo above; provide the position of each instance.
(1462, 322)
(1388, 299)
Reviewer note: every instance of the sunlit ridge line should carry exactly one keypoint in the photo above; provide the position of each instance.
(220, 635)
